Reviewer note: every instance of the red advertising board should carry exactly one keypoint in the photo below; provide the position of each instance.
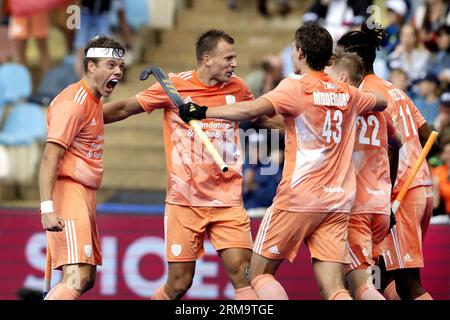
(134, 265)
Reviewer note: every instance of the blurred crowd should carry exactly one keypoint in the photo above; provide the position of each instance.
(415, 56)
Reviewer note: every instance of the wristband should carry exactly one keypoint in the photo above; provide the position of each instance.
(47, 207)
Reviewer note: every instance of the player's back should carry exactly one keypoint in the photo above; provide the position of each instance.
(319, 116)
(407, 120)
(370, 157)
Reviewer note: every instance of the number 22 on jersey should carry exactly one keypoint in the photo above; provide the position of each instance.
(372, 121)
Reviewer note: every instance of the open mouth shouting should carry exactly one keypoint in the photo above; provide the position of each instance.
(111, 84)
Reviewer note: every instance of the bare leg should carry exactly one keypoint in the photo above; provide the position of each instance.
(21, 46)
(179, 279)
(262, 271)
(77, 279)
(43, 51)
(237, 261)
(329, 277)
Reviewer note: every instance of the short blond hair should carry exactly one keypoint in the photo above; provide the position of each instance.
(350, 62)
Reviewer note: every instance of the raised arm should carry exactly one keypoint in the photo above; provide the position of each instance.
(270, 122)
(381, 103)
(245, 110)
(121, 109)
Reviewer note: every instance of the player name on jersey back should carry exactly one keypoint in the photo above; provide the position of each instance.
(330, 99)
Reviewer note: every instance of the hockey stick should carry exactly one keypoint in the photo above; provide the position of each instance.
(173, 94)
(48, 273)
(396, 204)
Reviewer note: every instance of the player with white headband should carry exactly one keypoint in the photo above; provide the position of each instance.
(72, 168)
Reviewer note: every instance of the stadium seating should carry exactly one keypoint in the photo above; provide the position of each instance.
(136, 12)
(54, 81)
(15, 83)
(21, 134)
(4, 163)
(23, 126)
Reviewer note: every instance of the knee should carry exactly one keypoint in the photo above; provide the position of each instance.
(81, 279)
(408, 290)
(181, 284)
(88, 282)
(239, 273)
(238, 267)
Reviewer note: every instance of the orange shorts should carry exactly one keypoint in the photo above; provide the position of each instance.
(402, 248)
(282, 232)
(79, 241)
(366, 232)
(185, 228)
(22, 28)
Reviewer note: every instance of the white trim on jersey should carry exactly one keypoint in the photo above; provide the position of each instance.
(397, 247)
(355, 261)
(262, 231)
(80, 97)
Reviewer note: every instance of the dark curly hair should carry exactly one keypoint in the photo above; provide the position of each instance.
(364, 43)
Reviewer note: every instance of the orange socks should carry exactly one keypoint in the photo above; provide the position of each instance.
(368, 293)
(268, 288)
(159, 294)
(340, 295)
(425, 296)
(390, 292)
(245, 293)
(62, 292)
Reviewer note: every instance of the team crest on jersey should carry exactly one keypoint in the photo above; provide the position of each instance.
(176, 249)
(88, 250)
(230, 99)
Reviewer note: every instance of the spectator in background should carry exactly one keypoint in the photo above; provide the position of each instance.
(94, 21)
(6, 45)
(319, 10)
(442, 122)
(267, 77)
(259, 187)
(59, 20)
(441, 184)
(427, 99)
(428, 18)
(283, 7)
(408, 55)
(396, 12)
(22, 28)
(400, 78)
(440, 60)
(118, 6)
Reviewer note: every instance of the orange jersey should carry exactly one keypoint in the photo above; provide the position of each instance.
(75, 121)
(319, 118)
(193, 177)
(371, 159)
(407, 120)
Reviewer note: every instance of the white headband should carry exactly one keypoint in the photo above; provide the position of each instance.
(105, 53)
